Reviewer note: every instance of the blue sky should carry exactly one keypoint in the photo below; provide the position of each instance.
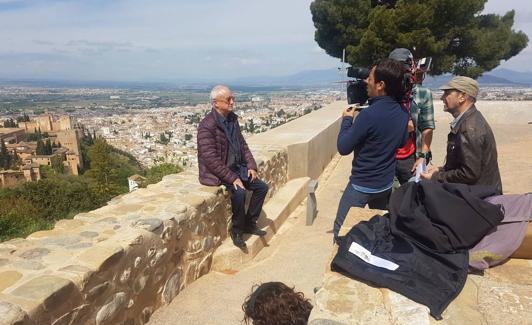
(172, 39)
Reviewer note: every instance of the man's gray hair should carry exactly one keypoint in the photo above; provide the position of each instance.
(218, 91)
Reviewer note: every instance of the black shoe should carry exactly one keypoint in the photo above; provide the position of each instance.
(254, 230)
(238, 240)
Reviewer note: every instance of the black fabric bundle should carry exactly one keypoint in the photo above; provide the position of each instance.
(426, 234)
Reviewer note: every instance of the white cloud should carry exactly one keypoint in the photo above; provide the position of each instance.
(162, 36)
(138, 39)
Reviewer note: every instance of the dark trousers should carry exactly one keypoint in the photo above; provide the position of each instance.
(241, 219)
(354, 198)
(403, 168)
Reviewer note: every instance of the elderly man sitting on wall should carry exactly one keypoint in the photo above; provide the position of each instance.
(471, 149)
(224, 158)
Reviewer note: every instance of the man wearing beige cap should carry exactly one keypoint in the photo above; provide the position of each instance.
(471, 149)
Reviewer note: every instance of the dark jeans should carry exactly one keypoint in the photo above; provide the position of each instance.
(241, 219)
(354, 198)
(403, 168)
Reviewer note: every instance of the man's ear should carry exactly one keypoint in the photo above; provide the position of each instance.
(462, 97)
(381, 85)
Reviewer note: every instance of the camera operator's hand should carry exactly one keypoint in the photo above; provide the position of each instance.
(252, 174)
(349, 111)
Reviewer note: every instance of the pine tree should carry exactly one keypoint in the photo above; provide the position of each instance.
(456, 33)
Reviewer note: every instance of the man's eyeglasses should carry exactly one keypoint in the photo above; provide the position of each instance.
(227, 100)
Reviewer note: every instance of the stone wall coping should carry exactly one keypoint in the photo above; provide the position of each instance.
(302, 129)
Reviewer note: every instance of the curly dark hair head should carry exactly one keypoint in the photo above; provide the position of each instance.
(274, 303)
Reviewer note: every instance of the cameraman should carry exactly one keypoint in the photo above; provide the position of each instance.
(374, 137)
(420, 125)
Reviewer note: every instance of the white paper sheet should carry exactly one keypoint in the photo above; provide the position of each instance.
(367, 257)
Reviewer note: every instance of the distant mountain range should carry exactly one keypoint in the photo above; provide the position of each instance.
(498, 77)
(304, 79)
(490, 80)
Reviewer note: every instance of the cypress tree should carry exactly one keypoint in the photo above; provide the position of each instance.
(3, 155)
(48, 147)
(101, 165)
(16, 161)
(41, 149)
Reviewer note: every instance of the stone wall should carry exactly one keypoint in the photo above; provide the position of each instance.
(310, 140)
(117, 264)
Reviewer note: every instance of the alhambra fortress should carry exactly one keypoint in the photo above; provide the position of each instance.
(61, 130)
(161, 255)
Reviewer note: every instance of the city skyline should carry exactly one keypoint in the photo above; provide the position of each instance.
(173, 40)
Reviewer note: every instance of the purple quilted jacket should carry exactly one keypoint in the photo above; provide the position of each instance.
(212, 152)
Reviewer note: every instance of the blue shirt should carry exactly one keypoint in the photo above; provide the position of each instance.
(374, 137)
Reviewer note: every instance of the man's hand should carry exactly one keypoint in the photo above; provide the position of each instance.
(238, 183)
(431, 173)
(252, 174)
(349, 111)
(410, 126)
(418, 161)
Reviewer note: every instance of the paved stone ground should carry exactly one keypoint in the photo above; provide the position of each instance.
(299, 255)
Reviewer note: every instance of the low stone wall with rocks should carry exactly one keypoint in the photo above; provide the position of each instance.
(117, 264)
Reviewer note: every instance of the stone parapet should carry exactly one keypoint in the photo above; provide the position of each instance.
(117, 264)
(310, 140)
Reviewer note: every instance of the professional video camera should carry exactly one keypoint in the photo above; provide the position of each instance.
(357, 91)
